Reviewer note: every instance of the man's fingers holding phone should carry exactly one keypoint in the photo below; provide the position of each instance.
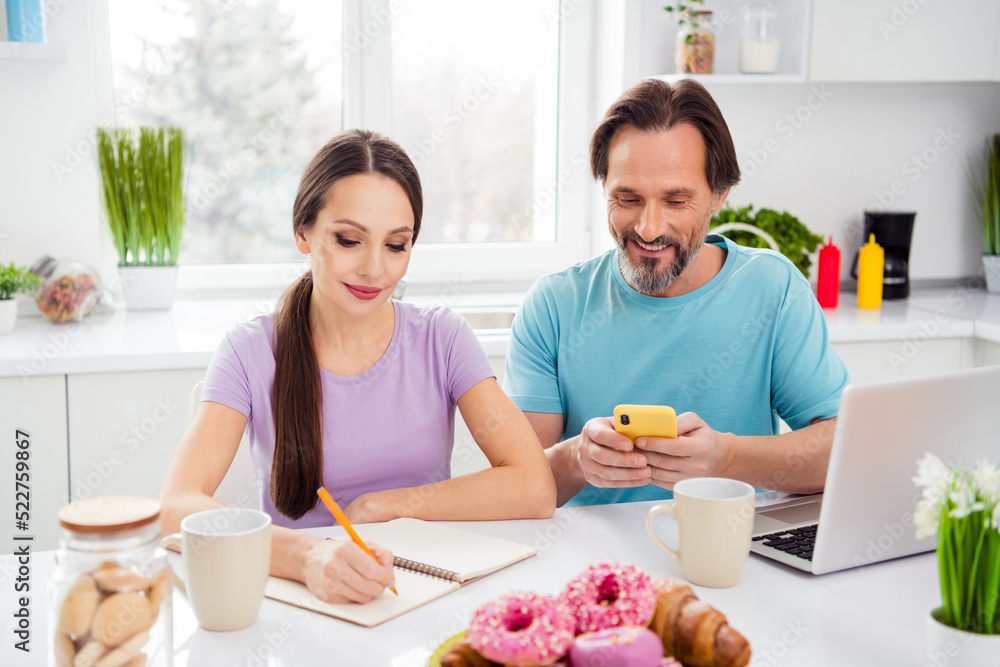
(608, 459)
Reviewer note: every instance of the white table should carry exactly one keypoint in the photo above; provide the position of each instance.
(868, 616)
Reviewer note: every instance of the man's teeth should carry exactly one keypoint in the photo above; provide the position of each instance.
(646, 246)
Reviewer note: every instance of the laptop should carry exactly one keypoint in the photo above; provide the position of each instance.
(865, 514)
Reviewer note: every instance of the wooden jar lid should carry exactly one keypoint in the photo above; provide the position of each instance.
(108, 514)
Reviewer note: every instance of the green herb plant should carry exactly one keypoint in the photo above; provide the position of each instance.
(142, 182)
(14, 279)
(793, 238)
(988, 194)
(686, 16)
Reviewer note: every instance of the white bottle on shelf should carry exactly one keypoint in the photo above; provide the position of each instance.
(760, 48)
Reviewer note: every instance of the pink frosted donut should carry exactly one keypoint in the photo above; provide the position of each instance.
(609, 594)
(626, 646)
(522, 629)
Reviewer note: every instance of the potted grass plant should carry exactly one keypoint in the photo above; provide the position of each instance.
(962, 507)
(988, 193)
(142, 183)
(13, 279)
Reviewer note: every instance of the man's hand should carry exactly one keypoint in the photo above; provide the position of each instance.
(697, 451)
(608, 459)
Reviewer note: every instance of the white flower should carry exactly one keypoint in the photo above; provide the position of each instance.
(986, 479)
(934, 477)
(926, 517)
(964, 498)
(931, 472)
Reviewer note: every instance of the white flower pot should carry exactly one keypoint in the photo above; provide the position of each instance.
(957, 648)
(8, 314)
(148, 287)
(991, 267)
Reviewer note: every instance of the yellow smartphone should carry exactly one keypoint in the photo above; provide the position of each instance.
(646, 420)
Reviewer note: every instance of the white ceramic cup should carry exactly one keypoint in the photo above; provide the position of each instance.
(714, 529)
(227, 557)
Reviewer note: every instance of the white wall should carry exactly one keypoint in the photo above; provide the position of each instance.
(845, 156)
(48, 113)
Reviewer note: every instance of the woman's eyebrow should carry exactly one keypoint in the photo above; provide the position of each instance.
(348, 221)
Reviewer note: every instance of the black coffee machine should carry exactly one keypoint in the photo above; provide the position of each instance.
(893, 231)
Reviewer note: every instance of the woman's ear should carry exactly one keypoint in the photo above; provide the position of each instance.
(302, 243)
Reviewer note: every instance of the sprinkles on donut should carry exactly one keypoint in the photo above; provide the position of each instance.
(610, 594)
(522, 629)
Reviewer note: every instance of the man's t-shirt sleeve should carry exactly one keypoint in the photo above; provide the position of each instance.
(807, 374)
(226, 380)
(531, 376)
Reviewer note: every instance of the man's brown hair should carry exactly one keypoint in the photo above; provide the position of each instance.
(656, 106)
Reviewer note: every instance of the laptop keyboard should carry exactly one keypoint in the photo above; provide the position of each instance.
(795, 541)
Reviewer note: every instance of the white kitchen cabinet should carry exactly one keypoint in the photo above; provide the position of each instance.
(124, 429)
(987, 353)
(905, 40)
(875, 361)
(37, 406)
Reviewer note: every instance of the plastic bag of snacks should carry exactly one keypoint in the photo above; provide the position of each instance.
(70, 290)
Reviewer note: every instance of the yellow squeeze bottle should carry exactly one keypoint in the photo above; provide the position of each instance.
(871, 259)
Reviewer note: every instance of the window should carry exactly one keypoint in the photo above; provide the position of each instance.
(257, 87)
(474, 100)
(471, 91)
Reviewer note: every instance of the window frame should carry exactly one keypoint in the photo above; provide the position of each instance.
(367, 103)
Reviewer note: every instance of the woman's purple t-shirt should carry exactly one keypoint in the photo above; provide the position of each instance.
(390, 427)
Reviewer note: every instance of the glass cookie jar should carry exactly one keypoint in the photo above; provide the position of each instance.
(110, 595)
(695, 49)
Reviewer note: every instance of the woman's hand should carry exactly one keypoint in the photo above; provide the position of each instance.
(339, 571)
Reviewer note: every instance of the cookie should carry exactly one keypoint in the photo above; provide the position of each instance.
(120, 580)
(89, 654)
(64, 650)
(157, 593)
(137, 661)
(77, 611)
(124, 653)
(121, 616)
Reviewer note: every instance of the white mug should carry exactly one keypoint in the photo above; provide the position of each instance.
(714, 529)
(227, 558)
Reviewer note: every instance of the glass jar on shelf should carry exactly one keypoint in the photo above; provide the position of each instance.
(110, 594)
(759, 47)
(70, 291)
(695, 53)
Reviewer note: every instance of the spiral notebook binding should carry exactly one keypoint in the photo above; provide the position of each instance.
(423, 568)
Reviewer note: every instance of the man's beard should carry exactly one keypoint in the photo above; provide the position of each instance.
(643, 275)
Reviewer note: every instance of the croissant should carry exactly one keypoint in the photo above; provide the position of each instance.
(461, 654)
(693, 632)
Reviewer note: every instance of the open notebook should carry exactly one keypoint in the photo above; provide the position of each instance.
(431, 560)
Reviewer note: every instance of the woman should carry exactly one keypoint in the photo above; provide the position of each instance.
(346, 389)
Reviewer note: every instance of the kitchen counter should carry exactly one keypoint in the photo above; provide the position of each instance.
(187, 335)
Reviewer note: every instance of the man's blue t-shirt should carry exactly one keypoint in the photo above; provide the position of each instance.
(740, 351)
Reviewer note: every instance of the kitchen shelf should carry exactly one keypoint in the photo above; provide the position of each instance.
(653, 33)
(709, 79)
(32, 51)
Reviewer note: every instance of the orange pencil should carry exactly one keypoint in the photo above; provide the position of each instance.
(331, 504)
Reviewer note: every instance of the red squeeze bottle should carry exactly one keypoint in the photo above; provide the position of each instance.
(828, 287)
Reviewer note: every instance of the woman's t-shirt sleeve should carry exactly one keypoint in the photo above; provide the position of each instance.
(468, 364)
(226, 380)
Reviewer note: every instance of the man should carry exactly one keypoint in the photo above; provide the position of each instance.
(731, 338)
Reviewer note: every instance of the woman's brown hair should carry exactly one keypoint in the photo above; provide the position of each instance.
(297, 396)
